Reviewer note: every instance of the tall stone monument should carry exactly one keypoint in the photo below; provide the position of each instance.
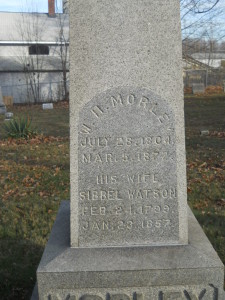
(128, 234)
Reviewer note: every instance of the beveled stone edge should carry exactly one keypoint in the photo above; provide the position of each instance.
(58, 245)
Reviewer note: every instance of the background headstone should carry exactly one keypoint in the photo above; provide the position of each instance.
(2, 110)
(2, 105)
(46, 106)
(204, 132)
(198, 88)
(9, 115)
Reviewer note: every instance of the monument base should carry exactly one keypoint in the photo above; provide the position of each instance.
(139, 273)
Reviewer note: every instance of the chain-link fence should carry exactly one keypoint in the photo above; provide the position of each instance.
(27, 93)
(206, 77)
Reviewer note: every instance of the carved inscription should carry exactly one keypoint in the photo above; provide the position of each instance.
(127, 170)
(176, 294)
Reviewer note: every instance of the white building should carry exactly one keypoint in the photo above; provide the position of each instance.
(213, 60)
(34, 55)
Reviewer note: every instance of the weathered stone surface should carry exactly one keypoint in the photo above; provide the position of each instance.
(127, 170)
(162, 293)
(191, 272)
(135, 55)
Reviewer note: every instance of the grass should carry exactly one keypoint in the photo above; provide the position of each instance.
(206, 165)
(50, 122)
(34, 178)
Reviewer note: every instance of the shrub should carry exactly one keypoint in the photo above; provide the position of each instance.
(20, 127)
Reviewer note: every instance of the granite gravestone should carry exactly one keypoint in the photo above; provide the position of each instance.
(126, 235)
(2, 105)
(198, 88)
(8, 115)
(130, 87)
(47, 106)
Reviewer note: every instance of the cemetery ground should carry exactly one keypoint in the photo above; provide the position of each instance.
(34, 179)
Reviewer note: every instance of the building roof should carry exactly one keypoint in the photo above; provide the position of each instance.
(208, 55)
(32, 27)
(191, 63)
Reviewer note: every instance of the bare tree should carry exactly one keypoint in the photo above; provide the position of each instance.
(198, 18)
(65, 6)
(30, 27)
(197, 11)
(202, 33)
(63, 45)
